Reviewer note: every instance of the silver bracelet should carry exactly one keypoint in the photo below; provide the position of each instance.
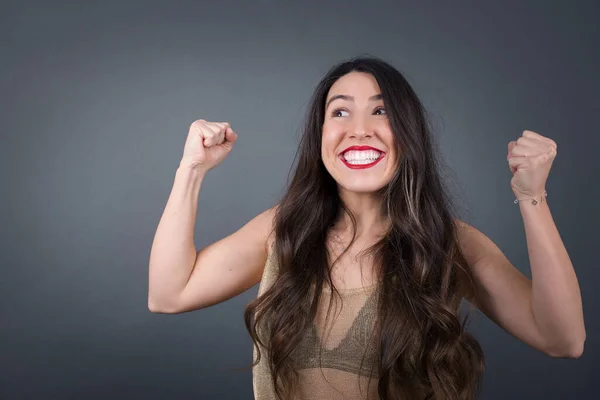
(534, 200)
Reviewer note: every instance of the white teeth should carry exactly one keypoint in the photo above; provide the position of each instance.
(361, 156)
(360, 162)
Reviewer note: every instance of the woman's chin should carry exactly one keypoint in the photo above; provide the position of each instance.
(358, 187)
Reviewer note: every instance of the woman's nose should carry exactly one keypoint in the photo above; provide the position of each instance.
(361, 129)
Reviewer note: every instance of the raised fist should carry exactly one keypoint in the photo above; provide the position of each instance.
(207, 144)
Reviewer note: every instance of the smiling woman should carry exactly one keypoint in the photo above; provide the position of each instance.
(357, 140)
(367, 229)
(361, 219)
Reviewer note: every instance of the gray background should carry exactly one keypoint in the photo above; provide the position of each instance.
(95, 104)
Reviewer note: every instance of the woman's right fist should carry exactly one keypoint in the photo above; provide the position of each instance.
(207, 144)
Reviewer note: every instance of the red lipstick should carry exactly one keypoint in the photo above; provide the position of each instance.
(361, 166)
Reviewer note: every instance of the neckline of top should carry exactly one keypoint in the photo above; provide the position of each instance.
(327, 288)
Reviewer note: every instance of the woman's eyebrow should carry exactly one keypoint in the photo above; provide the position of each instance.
(350, 98)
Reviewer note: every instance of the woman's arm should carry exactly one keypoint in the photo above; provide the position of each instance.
(181, 279)
(544, 312)
(173, 252)
(556, 297)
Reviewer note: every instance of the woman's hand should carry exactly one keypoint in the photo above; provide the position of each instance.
(207, 144)
(530, 159)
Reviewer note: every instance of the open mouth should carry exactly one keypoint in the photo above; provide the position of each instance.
(359, 159)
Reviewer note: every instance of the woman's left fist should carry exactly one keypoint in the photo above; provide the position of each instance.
(530, 158)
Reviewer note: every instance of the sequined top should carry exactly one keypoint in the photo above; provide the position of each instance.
(345, 340)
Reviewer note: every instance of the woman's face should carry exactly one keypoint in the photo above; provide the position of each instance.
(357, 143)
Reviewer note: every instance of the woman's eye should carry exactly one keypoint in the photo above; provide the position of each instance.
(340, 113)
(337, 113)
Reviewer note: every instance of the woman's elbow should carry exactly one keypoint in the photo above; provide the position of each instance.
(573, 350)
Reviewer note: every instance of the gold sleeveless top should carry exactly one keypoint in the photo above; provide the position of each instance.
(346, 367)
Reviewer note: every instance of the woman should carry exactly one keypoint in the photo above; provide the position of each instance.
(362, 265)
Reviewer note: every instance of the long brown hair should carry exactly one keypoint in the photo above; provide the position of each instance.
(424, 350)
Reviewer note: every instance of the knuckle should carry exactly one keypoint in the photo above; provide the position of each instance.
(197, 124)
(214, 126)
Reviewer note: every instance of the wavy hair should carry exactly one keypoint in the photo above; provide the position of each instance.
(423, 348)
